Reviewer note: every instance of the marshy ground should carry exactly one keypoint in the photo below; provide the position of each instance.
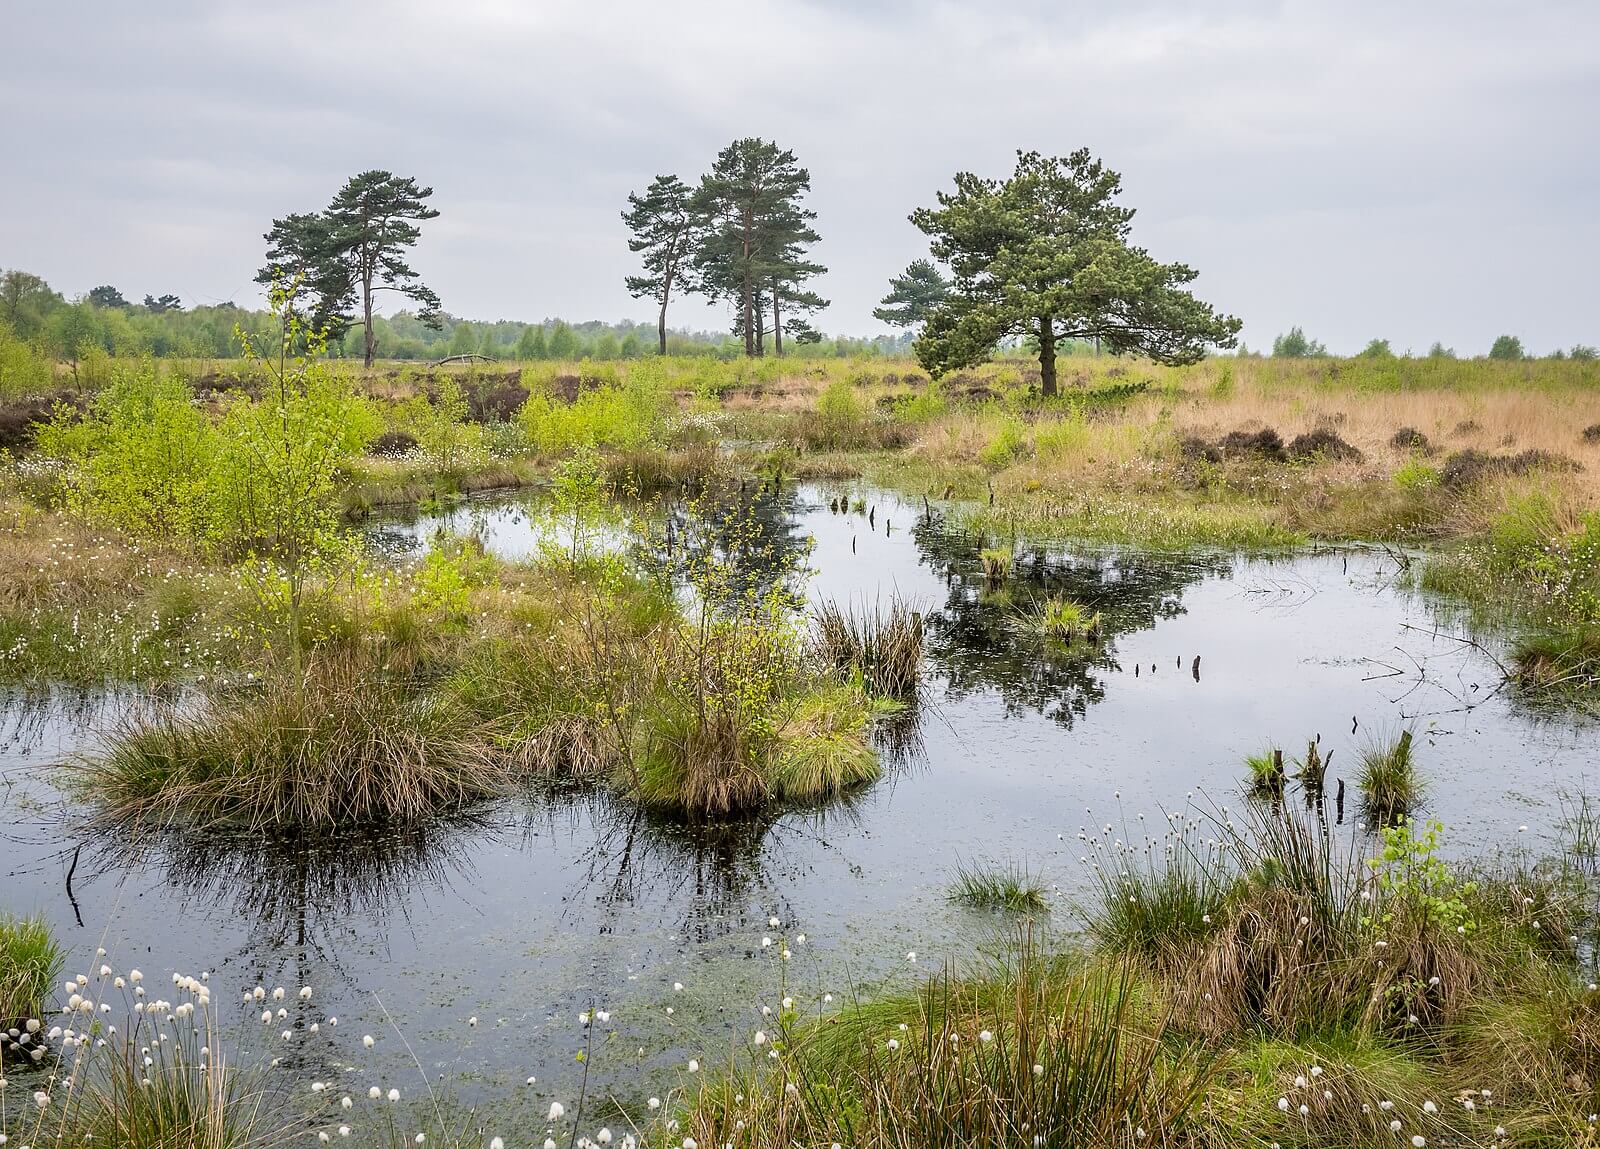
(844, 701)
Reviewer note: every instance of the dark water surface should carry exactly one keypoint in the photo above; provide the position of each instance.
(526, 912)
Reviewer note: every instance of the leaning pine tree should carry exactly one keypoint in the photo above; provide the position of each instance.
(664, 232)
(1045, 255)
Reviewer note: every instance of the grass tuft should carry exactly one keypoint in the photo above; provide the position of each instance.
(339, 747)
(1387, 778)
(1011, 888)
(884, 649)
(30, 960)
(1064, 622)
(996, 563)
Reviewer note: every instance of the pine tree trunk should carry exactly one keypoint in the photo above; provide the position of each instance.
(777, 322)
(749, 291)
(366, 307)
(666, 294)
(1047, 355)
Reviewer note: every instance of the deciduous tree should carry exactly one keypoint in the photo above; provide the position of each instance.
(26, 301)
(1294, 344)
(1507, 347)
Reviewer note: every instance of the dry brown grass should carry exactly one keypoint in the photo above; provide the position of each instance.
(53, 560)
(1499, 420)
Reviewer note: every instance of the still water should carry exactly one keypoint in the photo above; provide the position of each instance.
(526, 912)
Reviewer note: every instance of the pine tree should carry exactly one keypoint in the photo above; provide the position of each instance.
(530, 344)
(563, 342)
(1045, 255)
(463, 339)
(354, 250)
(665, 232)
(754, 231)
(913, 294)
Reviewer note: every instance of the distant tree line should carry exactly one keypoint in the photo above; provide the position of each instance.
(1295, 344)
(104, 322)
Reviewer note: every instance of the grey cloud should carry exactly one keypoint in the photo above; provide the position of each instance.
(1416, 171)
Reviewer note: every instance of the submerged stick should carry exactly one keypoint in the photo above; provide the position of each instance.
(72, 869)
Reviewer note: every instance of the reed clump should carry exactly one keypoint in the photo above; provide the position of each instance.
(884, 648)
(1031, 1052)
(338, 746)
(30, 960)
(741, 715)
(1010, 887)
(1387, 778)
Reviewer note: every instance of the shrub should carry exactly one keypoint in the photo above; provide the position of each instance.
(393, 444)
(1264, 444)
(621, 415)
(738, 720)
(1470, 467)
(24, 371)
(142, 454)
(1322, 444)
(838, 408)
(1009, 442)
(1415, 475)
(1412, 440)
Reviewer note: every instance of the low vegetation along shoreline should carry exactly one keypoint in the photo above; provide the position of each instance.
(1246, 978)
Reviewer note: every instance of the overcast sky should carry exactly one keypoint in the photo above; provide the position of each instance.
(1416, 171)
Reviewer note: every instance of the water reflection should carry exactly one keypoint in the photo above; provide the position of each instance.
(709, 877)
(302, 897)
